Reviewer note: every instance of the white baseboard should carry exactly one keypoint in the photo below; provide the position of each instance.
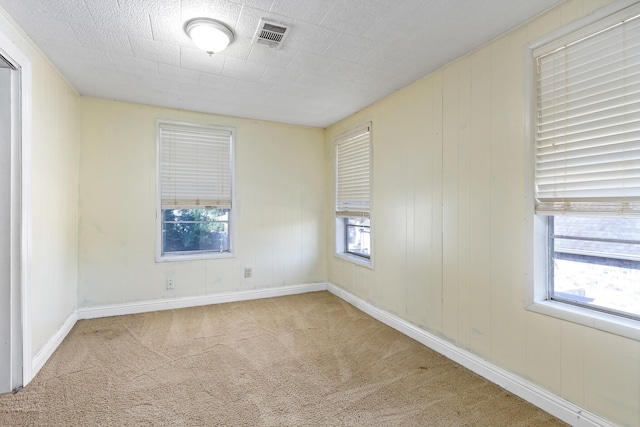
(558, 407)
(47, 350)
(175, 303)
(549, 402)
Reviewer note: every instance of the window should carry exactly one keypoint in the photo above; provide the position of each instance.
(353, 194)
(195, 191)
(358, 236)
(595, 262)
(587, 166)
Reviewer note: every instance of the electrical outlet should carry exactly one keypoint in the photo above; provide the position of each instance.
(248, 272)
(171, 283)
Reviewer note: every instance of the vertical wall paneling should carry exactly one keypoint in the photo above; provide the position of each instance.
(389, 203)
(421, 128)
(572, 363)
(571, 10)
(455, 250)
(544, 339)
(410, 211)
(540, 26)
(464, 203)
(507, 216)
(591, 5)
(450, 199)
(435, 306)
(480, 206)
(612, 376)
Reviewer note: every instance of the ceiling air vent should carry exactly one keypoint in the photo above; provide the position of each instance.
(271, 34)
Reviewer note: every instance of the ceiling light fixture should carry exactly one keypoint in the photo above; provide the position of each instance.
(208, 34)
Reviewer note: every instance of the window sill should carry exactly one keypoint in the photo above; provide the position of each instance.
(618, 325)
(194, 257)
(363, 262)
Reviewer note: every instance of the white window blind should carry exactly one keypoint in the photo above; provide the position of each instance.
(588, 124)
(353, 173)
(195, 167)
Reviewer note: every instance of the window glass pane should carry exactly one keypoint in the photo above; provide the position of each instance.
(358, 236)
(596, 262)
(359, 221)
(606, 232)
(185, 230)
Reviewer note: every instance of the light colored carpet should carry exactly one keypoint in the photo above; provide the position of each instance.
(303, 360)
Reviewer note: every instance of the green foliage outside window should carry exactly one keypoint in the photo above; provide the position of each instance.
(195, 230)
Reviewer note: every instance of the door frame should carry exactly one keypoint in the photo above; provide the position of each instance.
(21, 125)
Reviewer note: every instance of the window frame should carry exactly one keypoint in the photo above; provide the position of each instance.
(558, 253)
(340, 221)
(194, 252)
(347, 226)
(203, 254)
(537, 271)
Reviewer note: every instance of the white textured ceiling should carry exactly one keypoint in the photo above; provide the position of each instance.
(340, 56)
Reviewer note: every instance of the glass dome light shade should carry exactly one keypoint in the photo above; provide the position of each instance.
(208, 34)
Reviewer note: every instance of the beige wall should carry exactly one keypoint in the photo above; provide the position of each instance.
(450, 237)
(53, 242)
(279, 210)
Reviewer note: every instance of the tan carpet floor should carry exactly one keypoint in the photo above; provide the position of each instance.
(303, 360)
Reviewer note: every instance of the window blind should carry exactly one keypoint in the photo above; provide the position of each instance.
(195, 167)
(588, 124)
(353, 173)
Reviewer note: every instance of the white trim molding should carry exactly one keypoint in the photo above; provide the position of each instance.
(537, 225)
(54, 342)
(176, 303)
(216, 132)
(11, 52)
(549, 402)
